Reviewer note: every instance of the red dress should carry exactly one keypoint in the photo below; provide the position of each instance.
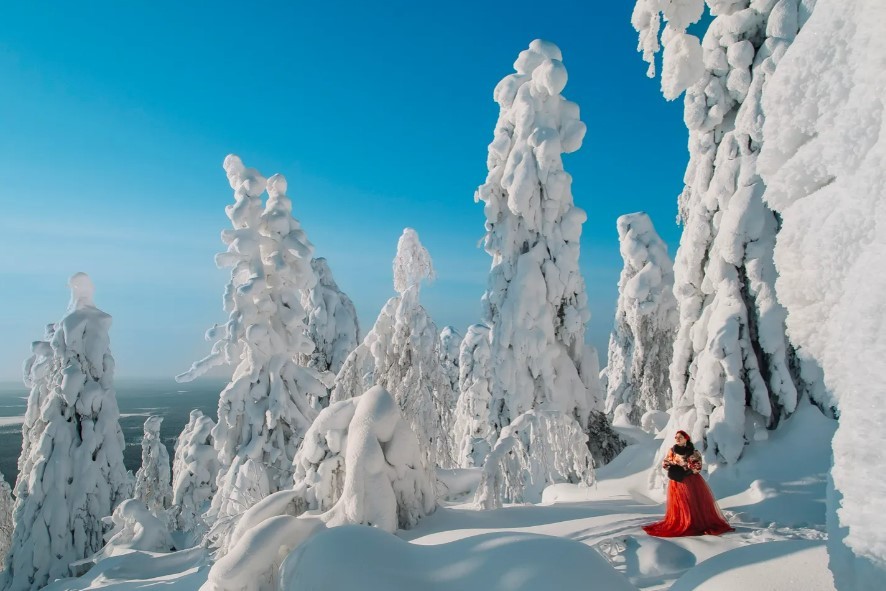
(691, 508)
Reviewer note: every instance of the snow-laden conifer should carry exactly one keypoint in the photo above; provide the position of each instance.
(824, 164)
(446, 396)
(71, 472)
(536, 304)
(642, 340)
(153, 481)
(194, 474)
(734, 374)
(474, 432)
(7, 504)
(400, 351)
(264, 412)
(332, 323)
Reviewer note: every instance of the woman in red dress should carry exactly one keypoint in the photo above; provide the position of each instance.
(691, 508)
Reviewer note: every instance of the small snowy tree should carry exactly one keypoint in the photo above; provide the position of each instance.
(194, 474)
(6, 524)
(536, 304)
(400, 352)
(72, 475)
(734, 374)
(446, 396)
(331, 323)
(264, 412)
(474, 431)
(824, 164)
(153, 485)
(538, 449)
(641, 344)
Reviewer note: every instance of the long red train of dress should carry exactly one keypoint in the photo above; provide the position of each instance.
(691, 511)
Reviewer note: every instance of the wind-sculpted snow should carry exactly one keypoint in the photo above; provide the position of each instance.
(71, 472)
(824, 163)
(6, 524)
(194, 474)
(331, 324)
(400, 354)
(265, 410)
(536, 304)
(153, 481)
(734, 374)
(538, 449)
(135, 527)
(641, 344)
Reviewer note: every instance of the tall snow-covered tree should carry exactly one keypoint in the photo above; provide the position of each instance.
(734, 374)
(331, 321)
(71, 472)
(264, 411)
(824, 164)
(641, 343)
(474, 431)
(7, 503)
(194, 474)
(400, 352)
(536, 304)
(153, 482)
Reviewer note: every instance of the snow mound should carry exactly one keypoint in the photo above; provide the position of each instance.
(771, 566)
(135, 528)
(491, 562)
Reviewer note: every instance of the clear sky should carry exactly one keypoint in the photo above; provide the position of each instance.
(115, 118)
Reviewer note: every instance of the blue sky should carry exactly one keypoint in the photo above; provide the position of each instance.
(116, 118)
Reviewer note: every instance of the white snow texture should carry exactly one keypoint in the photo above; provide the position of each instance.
(153, 481)
(824, 163)
(194, 474)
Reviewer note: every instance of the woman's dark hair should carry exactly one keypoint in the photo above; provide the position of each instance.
(685, 435)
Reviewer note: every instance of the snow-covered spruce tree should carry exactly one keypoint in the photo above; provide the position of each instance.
(734, 374)
(446, 397)
(264, 412)
(73, 475)
(642, 341)
(153, 482)
(824, 164)
(194, 474)
(400, 352)
(332, 324)
(536, 304)
(474, 433)
(6, 524)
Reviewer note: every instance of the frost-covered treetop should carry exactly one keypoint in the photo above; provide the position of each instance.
(649, 273)
(412, 265)
(248, 185)
(536, 126)
(82, 291)
(682, 62)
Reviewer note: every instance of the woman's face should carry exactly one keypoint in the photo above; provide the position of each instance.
(680, 439)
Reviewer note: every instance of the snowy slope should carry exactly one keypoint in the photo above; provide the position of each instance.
(577, 536)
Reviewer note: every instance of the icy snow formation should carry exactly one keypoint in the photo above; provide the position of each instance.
(194, 474)
(538, 449)
(331, 321)
(361, 463)
(264, 412)
(734, 374)
(474, 432)
(71, 472)
(400, 352)
(135, 528)
(824, 164)
(641, 343)
(535, 303)
(153, 482)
